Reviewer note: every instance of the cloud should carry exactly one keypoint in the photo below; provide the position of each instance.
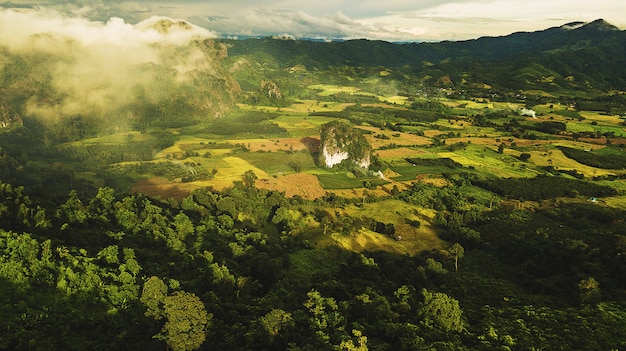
(95, 67)
(268, 22)
(394, 20)
(458, 20)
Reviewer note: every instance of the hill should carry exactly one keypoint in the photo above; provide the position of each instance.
(573, 56)
(77, 88)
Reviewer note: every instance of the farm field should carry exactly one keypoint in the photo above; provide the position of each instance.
(295, 152)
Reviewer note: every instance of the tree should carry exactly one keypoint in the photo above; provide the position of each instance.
(349, 344)
(589, 290)
(395, 191)
(183, 229)
(73, 210)
(276, 321)
(524, 156)
(110, 254)
(249, 178)
(441, 311)
(325, 315)
(283, 219)
(501, 148)
(40, 219)
(153, 295)
(102, 204)
(296, 165)
(187, 321)
(457, 251)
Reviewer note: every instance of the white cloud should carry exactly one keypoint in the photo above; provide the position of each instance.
(374, 19)
(94, 65)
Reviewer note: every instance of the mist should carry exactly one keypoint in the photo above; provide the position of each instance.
(97, 69)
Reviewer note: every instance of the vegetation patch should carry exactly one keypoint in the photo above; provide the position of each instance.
(615, 160)
(280, 162)
(544, 187)
(434, 162)
(344, 181)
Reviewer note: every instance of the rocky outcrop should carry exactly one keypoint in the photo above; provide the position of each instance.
(270, 90)
(340, 142)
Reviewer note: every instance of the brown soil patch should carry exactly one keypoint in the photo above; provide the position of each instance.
(604, 141)
(300, 184)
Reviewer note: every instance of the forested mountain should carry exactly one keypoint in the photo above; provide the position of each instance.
(78, 88)
(580, 56)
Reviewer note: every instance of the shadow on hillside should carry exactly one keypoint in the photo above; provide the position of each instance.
(312, 144)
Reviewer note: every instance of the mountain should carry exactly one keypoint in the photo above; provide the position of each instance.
(363, 52)
(78, 88)
(572, 56)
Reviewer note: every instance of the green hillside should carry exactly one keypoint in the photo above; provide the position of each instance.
(588, 58)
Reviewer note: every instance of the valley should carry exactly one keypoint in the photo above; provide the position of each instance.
(273, 194)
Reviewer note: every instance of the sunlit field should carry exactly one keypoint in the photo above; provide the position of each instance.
(227, 158)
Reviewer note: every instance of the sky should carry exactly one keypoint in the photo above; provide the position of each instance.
(391, 20)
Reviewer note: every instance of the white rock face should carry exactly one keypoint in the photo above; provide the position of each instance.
(340, 141)
(334, 158)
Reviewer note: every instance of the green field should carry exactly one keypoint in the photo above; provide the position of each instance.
(579, 127)
(345, 181)
(279, 162)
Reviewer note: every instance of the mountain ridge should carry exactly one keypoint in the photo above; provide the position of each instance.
(592, 53)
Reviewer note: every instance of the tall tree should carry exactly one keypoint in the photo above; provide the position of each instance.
(249, 178)
(457, 251)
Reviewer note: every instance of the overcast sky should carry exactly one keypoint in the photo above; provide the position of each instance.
(393, 20)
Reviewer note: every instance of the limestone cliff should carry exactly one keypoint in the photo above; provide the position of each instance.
(339, 141)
